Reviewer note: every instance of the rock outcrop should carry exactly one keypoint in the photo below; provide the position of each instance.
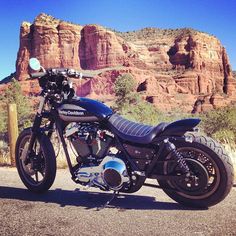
(173, 68)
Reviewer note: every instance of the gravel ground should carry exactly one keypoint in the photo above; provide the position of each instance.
(67, 210)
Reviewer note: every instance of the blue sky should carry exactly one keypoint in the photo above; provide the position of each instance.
(212, 16)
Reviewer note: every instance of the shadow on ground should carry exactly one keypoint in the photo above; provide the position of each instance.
(89, 200)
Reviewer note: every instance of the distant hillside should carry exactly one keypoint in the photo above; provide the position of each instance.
(8, 78)
(156, 33)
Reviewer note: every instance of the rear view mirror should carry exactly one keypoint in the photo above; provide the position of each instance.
(34, 64)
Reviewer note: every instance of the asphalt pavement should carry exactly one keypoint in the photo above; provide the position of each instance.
(68, 209)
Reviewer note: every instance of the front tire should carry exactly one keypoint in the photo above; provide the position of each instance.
(213, 168)
(37, 175)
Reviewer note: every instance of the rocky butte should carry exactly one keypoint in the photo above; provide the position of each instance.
(180, 68)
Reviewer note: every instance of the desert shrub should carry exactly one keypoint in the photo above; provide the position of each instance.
(124, 90)
(221, 124)
(4, 153)
(141, 111)
(13, 94)
(225, 137)
(2, 121)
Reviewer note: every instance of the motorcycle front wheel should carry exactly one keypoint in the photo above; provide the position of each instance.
(211, 170)
(38, 171)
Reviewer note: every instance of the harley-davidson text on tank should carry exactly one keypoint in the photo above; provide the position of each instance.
(71, 113)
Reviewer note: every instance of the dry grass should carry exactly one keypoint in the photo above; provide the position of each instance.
(59, 152)
(5, 160)
(61, 158)
(4, 154)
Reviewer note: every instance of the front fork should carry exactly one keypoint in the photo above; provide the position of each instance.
(36, 126)
(34, 132)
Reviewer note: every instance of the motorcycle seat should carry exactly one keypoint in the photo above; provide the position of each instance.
(134, 132)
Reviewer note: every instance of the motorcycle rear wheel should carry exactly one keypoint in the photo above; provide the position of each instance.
(212, 167)
(39, 178)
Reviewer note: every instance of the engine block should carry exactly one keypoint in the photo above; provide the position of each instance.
(89, 141)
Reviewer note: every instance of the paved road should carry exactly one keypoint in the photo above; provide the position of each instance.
(66, 210)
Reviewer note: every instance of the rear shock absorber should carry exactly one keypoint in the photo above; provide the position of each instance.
(179, 158)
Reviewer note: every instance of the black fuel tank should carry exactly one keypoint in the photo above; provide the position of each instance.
(83, 110)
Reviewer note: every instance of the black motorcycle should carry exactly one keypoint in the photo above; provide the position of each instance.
(113, 153)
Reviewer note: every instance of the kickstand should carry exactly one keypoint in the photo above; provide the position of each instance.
(115, 193)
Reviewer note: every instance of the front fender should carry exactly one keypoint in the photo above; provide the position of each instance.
(180, 127)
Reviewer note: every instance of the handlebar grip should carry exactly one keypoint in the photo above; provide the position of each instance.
(38, 74)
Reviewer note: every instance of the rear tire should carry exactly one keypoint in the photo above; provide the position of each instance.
(209, 160)
(39, 179)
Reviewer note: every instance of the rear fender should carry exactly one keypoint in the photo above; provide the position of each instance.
(180, 127)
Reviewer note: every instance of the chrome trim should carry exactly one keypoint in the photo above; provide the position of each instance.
(93, 176)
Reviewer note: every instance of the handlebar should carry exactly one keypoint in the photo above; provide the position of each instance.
(63, 72)
(38, 74)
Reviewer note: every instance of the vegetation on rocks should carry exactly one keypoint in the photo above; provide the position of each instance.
(151, 32)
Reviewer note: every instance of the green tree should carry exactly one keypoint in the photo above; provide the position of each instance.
(124, 85)
(124, 90)
(13, 94)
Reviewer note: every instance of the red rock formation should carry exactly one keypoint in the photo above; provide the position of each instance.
(100, 48)
(172, 67)
(24, 52)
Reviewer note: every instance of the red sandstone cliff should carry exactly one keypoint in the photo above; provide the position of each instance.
(173, 68)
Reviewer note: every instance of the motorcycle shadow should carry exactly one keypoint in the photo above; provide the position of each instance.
(90, 200)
